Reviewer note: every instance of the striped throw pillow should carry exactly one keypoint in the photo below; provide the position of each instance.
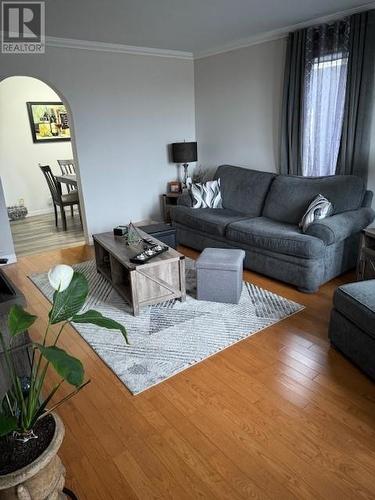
(205, 195)
(319, 208)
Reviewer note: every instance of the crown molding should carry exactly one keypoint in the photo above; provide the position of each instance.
(71, 43)
(267, 36)
(278, 34)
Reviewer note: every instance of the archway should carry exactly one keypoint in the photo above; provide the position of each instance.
(37, 128)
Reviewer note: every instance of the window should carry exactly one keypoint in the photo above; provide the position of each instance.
(324, 99)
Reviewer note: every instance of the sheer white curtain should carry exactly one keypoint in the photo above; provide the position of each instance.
(326, 61)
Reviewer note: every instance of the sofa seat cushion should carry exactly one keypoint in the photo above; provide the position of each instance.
(275, 236)
(208, 220)
(289, 196)
(356, 301)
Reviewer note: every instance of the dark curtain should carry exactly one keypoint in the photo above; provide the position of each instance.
(356, 107)
(355, 140)
(292, 109)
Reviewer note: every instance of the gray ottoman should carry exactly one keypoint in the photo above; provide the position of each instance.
(352, 326)
(219, 275)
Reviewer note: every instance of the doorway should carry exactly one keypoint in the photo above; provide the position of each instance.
(38, 168)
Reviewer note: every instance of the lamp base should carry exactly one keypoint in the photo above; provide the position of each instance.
(184, 182)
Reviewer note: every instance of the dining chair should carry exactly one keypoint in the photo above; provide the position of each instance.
(60, 200)
(67, 168)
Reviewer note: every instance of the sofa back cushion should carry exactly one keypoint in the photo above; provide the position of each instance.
(242, 189)
(289, 196)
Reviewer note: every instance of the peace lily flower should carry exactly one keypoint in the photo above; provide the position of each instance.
(60, 277)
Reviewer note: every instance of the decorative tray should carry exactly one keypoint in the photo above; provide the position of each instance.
(149, 253)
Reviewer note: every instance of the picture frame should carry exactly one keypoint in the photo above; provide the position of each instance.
(174, 187)
(49, 121)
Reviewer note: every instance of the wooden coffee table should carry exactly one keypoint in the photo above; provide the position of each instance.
(162, 278)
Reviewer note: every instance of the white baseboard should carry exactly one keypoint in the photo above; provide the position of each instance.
(41, 211)
(11, 259)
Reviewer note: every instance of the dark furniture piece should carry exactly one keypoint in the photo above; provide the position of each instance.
(352, 325)
(69, 179)
(162, 232)
(60, 200)
(160, 279)
(9, 296)
(169, 200)
(261, 212)
(67, 168)
(366, 261)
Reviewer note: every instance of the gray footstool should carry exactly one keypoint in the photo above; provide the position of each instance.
(352, 326)
(219, 275)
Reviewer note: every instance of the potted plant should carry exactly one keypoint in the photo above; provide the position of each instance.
(30, 432)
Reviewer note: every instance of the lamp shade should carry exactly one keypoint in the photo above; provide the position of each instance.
(184, 152)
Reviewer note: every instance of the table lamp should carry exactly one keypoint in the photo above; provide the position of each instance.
(185, 153)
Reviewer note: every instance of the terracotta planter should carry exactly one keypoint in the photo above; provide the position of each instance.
(43, 479)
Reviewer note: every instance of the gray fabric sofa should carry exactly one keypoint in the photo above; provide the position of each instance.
(352, 325)
(260, 214)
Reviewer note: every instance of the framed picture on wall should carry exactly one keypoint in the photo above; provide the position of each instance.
(48, 121)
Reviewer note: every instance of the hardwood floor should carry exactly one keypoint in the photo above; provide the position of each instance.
(38, 233)
(279, 416)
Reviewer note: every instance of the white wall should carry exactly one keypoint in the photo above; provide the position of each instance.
(19, 156)
(238, 106)
(6, 240)
(126, 108)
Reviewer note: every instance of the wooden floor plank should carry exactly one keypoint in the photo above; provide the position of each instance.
(240, 482)
(38, 233)
(278, 415)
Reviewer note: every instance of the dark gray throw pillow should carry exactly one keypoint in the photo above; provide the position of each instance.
(319, 208)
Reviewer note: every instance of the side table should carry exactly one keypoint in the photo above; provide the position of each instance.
(169, 200)
(366, 261)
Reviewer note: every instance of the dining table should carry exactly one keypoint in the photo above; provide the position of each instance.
(70, 179)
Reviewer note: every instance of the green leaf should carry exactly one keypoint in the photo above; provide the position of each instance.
(69, 368)
(42, 407)
(19, 320)
(69, 302)
(8, 404)
(8, 424)
(96, 318)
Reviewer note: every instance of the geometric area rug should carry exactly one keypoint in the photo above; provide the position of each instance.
(170, 337)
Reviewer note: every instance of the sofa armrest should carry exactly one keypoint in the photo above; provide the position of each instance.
(185, 200)
(340, 226)
(367, 199)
